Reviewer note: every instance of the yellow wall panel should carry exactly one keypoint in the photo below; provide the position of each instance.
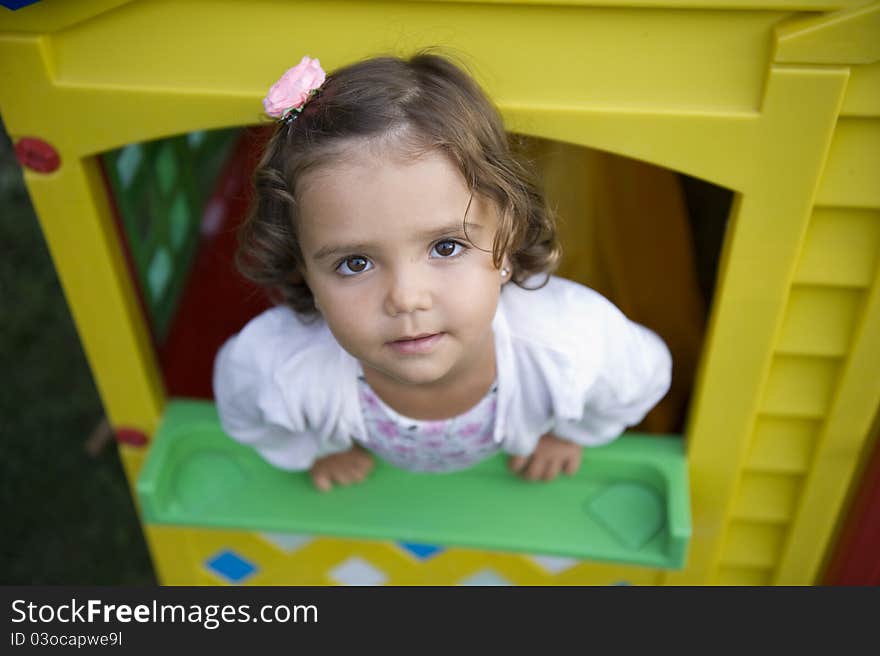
(748, 308)
(283, 559)
(841, 247)
(850, 177)
(783, 444)
(174, 558)
(767, 497)
(587, 573)
(848, 36)
(391, 565)
(725, 52)
(863, 91)
(819, 321)
(752, 544)
(841, 446)
(800, 386)
(744, 576)
(50, 16)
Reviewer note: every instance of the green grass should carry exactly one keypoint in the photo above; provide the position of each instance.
(67, 517)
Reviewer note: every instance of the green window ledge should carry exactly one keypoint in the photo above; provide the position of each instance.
(628, 503)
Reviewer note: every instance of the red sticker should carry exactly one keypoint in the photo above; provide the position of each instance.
(130, 437)
(37, 155)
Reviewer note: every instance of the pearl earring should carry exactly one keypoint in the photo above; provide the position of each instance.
(504, 272)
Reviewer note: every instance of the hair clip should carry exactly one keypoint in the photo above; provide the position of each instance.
(293, 90)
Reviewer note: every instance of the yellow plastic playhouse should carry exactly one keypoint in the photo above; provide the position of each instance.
(135, 123)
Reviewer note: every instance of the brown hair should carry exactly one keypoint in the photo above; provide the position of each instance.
(432, 105)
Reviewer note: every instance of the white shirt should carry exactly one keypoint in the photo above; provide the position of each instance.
(568, 362)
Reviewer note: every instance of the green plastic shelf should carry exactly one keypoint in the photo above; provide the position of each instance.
(628, 503)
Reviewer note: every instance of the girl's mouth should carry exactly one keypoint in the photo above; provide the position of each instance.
(418, 344)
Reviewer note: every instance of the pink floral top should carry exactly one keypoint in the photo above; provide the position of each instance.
(430, 446)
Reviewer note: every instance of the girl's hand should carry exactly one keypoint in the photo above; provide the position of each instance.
(552, 456)
(344, 468)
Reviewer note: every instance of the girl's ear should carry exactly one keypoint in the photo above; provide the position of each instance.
(298, 277)
(506, 270)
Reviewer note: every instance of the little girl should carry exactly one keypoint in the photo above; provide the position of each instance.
(418, 321)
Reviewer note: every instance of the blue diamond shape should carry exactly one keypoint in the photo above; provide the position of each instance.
(421, 551)
(231, 566)
(17, 4)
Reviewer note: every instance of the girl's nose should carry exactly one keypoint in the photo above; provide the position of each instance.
(407, 292)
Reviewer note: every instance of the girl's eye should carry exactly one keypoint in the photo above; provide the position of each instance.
(448, 248)
(354, 265)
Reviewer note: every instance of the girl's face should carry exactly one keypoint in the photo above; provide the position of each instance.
(401, 287)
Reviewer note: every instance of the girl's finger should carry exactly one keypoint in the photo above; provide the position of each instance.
(357, 472)
(551, 470)
(535, 468)
(343, 476)
(321, 481)
(516, 463)
(571, 465)
(364, 465)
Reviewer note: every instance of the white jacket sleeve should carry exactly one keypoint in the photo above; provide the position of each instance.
(634, 373)
(251, 405)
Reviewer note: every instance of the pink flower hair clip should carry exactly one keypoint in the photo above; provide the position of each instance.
(289, 94)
